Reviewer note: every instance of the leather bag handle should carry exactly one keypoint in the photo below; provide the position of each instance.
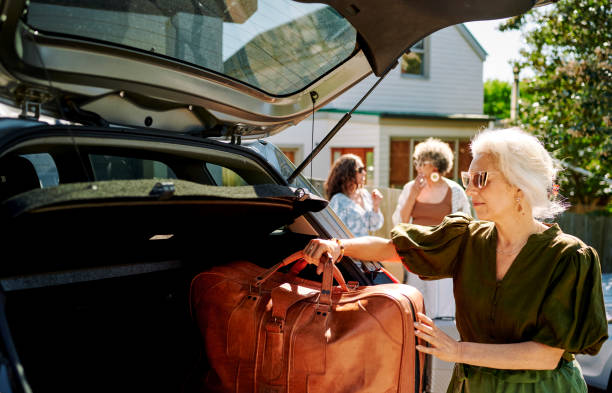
(296, 256)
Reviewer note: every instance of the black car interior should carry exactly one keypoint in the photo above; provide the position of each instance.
(17, 175)
(97, 287)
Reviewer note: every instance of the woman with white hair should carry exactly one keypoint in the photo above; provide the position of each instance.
(528, 296)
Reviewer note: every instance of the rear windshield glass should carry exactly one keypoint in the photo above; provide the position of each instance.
(225, 176)
(278, 46)
(107, 167)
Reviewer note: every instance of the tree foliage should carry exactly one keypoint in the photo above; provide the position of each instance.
(497, 98)
(567, 102)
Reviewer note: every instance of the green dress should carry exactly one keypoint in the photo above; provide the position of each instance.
(551, 294)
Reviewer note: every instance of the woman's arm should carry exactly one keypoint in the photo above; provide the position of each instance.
(407, 207)
(405, 211)
(528, 355)
(396, 218)
(368, 248)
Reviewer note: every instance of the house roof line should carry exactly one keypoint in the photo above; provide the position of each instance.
(414, 115)
(472, 41)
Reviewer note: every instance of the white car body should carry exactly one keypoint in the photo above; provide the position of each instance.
(597, 369)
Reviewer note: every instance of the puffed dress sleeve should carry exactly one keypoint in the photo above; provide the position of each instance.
(432, 252)
(573, 315)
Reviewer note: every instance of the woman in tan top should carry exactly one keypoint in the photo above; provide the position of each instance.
(431, 196)
(528, 296)
(426, 201)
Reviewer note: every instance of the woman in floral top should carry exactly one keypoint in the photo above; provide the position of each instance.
(352, 203)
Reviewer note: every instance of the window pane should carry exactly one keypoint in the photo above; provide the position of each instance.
(126, 168)
(290, 154)
(399, 168)
(279, 46)
(45, 168)
(224, 176)
(419, 45)
(412, 63)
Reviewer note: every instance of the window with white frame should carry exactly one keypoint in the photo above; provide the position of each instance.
(413, 62)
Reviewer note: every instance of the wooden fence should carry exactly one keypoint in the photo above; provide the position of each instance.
(596, 231)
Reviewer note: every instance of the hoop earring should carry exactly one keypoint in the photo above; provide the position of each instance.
(434, 176)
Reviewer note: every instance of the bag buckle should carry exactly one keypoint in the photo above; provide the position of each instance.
(251, 291)
(275, 324)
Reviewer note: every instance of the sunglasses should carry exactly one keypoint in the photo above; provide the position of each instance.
(418, 164)
(361, 169)
(478, 179)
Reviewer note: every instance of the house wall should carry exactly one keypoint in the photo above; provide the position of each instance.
(453, 83)
(367, 131)
(360, 131)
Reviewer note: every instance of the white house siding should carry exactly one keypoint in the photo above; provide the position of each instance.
(360, 131)
(453, 83)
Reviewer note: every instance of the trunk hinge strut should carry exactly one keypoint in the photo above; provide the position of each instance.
(334, 131)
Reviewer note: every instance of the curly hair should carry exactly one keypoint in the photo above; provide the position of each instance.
(342, 175)
(436, 151)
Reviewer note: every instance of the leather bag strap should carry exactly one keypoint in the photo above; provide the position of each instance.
(327, 281)
(296, 256)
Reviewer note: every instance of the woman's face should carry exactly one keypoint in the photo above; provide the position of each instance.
(497, 198)
(424, 168)
(360, 173)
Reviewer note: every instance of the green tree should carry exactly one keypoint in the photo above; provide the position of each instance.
(567, 102)
(497, 98)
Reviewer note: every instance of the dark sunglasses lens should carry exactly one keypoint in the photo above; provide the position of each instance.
(482, 179)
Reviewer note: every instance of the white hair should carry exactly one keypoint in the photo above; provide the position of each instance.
(525, 163)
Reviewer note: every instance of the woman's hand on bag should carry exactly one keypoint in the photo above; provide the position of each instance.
(441, 344)
(316, 248)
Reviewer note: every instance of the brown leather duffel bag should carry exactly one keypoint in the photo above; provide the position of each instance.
(271, 332)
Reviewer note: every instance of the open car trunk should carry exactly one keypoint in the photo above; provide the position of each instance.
(98, 298)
